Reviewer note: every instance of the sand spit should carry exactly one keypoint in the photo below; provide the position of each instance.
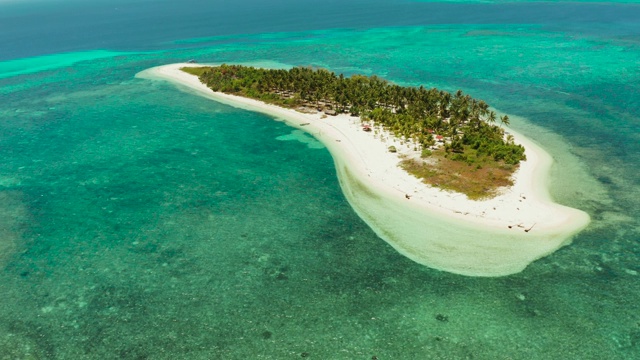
(442, 230)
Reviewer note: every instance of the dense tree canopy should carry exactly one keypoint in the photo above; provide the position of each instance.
(410, 113)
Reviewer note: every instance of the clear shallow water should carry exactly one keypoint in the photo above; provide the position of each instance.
(138, 221)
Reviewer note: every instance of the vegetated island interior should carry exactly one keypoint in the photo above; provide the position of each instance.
(460, 146)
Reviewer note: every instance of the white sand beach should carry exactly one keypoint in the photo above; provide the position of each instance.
(442, 230)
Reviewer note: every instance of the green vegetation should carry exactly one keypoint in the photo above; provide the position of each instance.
(452, 130)
(197, 71)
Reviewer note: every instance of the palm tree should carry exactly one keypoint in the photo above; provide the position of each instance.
(411, 114)
(492, 117)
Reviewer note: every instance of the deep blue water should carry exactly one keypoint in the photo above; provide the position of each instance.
(29, 28)
(138, 221)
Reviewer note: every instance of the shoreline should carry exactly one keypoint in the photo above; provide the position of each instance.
(439, 229)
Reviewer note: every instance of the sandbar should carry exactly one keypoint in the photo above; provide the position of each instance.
(440, 229)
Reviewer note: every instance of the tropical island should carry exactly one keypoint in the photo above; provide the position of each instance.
(455, 142)
(387, 141)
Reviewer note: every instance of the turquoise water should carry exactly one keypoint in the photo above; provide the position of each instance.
(138, 221)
